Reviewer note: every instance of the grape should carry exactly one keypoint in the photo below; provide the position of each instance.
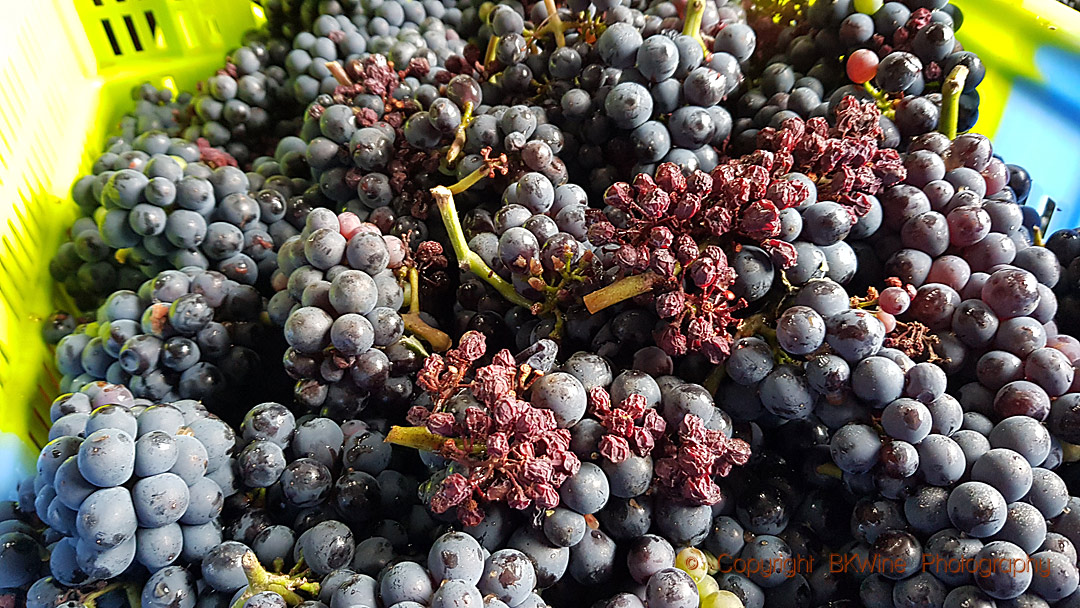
(1048, 493)
(587, 491)
(855, 448)
(629, 105)
(629, 478)
(356, 590)
(307, 329)
(509, 576)
(1020, 336)
(683, 525)
(800, 330)
(671, 588)
(638, 383)
(1023, 435)
(941, 461)
(170, 586)
(564, 527)
(1003, 583)
(691, 127)
(563, 394)
(261, 463)
(977, 509)
(975, 323)
(1022, 398)
(648, 555)
(107, 517)
(107, 457)
(160, 500)
(326, 546)
(592, 560)
(657, 58)
(1011, 293)
(456, 556)
(946, 414)
(1024, 527)
(405, 581)
(22, 557)
(750, 361)
(1057, 575)
(854, 334)
(907, 420)
(550, 562)
(1006, 470)
(785, 392)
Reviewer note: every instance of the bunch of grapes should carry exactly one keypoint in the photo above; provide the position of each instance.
(185, 334)
(126, 483)
(598, 454)
(898, 54)
(338, 304)
(628, 87)
(965, 477)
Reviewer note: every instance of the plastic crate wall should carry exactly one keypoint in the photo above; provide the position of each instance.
(68, 71)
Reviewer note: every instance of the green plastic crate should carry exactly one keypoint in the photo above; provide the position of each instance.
(66, 79)
(70, 67)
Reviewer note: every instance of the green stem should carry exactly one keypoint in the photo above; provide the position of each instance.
(298, 567)
(831, 470)
(90, 599)
(950, 100)
(695, 10)
(489, 54)
(459, 134)
(467, 258)
(488, 169)
(419, 438)
(623, 289)
(555, 22)
(436, 338)
(715, 377)
(881, 100)
(134, 596)
(260, 579)
(415, 324)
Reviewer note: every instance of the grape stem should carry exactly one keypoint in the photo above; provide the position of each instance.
(489, 54)
(414, 345)
(1070, 452)
(695, 10)
(459, 134)
(338, 73)
(758, 325)
(260, 579)
(488, 169)
(830, 470)
(555, 23)
(133, 594)
(623, 289)
(881, 100)
(950, 100)
(415, 324)
(715, 377)
(467, 258)
(419, 438)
